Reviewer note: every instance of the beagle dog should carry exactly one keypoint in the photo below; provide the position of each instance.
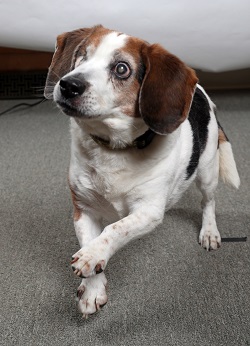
(142, 130)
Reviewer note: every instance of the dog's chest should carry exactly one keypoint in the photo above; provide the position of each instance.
(113, 182)
(110, 182)
(104, 181)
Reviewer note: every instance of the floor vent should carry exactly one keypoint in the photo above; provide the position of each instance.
(22, 85)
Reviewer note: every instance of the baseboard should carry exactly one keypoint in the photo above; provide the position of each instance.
(23, 74)
(237, 79)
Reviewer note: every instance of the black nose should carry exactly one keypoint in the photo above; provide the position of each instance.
(72, 86)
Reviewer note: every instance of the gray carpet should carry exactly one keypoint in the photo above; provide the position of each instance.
(163, 289)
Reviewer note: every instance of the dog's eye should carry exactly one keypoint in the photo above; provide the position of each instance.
(122, 70)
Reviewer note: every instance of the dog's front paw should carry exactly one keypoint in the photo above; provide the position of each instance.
(87, 262)
(91, 294)
(210, 238)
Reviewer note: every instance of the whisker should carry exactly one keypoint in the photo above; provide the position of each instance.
(50, 95)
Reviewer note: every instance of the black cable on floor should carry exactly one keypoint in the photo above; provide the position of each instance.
(27, 105)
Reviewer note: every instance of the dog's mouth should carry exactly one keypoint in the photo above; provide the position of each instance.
(68, 109)
(74, 112)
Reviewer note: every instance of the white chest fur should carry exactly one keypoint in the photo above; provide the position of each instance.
(113, 182)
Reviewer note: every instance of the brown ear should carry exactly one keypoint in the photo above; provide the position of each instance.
(62, 59)
(167, 89)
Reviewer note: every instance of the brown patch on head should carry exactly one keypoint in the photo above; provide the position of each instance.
(97, 35)
(69, 46)
(128, 99)
(89, 45)
(167, 89)
(133, 47)
(62, 58)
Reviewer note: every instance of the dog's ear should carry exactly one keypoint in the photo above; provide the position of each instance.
(167, 89)
(62, 61)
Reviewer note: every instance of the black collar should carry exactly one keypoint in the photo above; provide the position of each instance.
(140, 142)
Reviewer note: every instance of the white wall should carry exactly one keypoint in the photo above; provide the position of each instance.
(209, 35)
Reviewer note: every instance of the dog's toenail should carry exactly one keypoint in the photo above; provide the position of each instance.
(102, 305)
(74, 259)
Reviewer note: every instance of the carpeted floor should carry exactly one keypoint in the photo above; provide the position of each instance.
(163, 289)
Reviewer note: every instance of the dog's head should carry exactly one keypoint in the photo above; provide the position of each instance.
(97, 72)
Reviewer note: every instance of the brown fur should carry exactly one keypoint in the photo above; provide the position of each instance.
(67, 49)
(167, 89)
(131, 87)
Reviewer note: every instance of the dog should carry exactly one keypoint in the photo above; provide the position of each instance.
(142, 130)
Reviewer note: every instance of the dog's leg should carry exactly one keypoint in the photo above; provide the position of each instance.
(93, 258)
(91, 294)
(207, 180)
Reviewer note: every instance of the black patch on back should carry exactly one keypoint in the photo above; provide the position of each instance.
(199, 118)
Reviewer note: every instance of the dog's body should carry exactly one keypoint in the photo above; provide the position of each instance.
(142, 130)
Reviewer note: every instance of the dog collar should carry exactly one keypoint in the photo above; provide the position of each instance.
(140, 142)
